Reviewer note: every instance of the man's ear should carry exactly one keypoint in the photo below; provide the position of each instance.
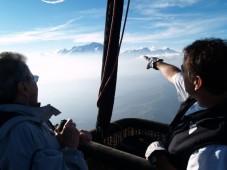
(22, 88)
(198, 82)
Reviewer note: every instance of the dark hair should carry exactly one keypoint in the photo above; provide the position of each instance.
(208, 59)
(13, 68)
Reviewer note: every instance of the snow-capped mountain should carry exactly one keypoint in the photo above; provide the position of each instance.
(148, 51)
(88, 48)
(97, 48)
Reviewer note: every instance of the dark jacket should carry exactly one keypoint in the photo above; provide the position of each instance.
(191, 132)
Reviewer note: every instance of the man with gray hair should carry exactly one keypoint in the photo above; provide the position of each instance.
(27, 139)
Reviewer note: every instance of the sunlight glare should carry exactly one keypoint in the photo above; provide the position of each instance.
(54, 68)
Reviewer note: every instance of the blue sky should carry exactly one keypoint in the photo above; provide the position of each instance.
(51, 25)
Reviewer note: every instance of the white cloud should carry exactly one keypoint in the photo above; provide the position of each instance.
(155, 9)
(170, 30)
(176, 34)
(65, 31)
(89, 37)
(164, 20)
(55, 67)
(164, 4)
(173, 3)
(41, 34)
(52, 1)
(93, 12)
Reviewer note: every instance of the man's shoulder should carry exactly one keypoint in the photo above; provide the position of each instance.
(178, 77)
(6, 116)
(16, 123)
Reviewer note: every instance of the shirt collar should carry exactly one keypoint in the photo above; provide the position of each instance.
(44, 113)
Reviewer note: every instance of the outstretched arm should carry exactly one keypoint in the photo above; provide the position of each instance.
(167, 70)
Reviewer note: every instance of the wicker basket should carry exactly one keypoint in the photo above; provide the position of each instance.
(123, 145)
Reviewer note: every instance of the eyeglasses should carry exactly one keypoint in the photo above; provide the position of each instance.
(35, 78)
(182, 68)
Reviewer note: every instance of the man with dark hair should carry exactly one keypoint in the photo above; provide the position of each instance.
(27, 139)
(196, 138)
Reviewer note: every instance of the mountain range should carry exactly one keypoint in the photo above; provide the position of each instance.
(97, 48)
(88, 48)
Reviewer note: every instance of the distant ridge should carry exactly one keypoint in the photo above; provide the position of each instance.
(97, 48)
(88, 48)
(148, 51)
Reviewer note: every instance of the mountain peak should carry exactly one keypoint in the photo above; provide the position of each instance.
(152, 51)
(92, 47)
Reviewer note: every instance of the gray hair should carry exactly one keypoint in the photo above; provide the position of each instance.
(13, 68)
